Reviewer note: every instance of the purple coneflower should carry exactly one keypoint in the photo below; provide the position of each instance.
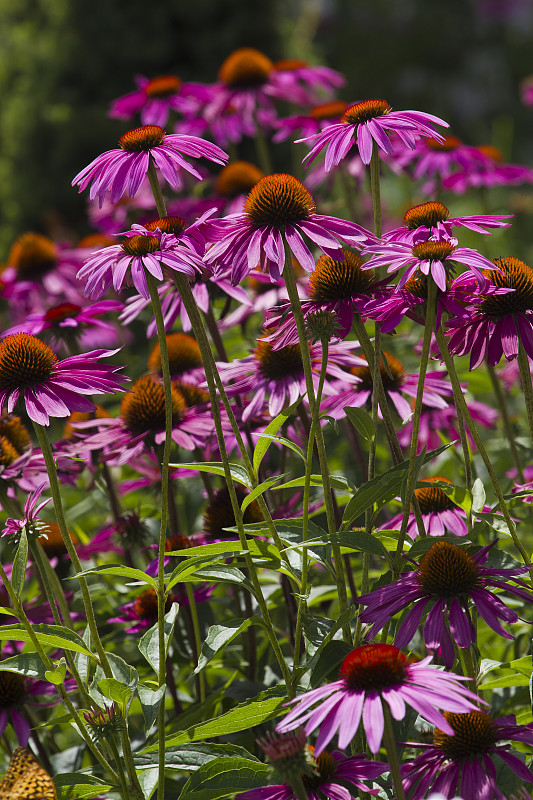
(464, 762)
(278, 207)
(437, 159)
(276, 376)
(488, 171)
(321, 776)
(436, 258)
(446, 581)
(340, 287)
(432, 220)
(124, 169)
(155, 98)
(316, 120)
(371, 675)
(498, 323)
(438, 422)
(396, 384)
(439, 512)
(296, 78)
(16, 692)
(141, 250)
(368, 122)
(30, 520)
(31, 372)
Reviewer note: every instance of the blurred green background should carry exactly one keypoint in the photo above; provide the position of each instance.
(63, 61)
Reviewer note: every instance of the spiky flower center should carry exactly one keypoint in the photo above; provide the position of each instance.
(12, 689)
(278, 200)
(325, 769)
(25, 362)
(163, 86)
(433, 498)
(145, 605)
(339, 280)
(177, 542)
(332, 110)
(245, 68)
(17, 434)
(427, 214)
(183, 355)
(432, 251)
(394, 383)
(83, 416)
(52, 542)
(475, 733)
(237, 178)
(447, 570)
(62, 312)
(8, 453)
(449, 144)
(374, 666)
(172, 224)
(278, 364)
(491, 152)
(32, 255)
(219, 515)
(362, 112)
(517, 275)
(104, 722)
(140, 245)
(143, 409)
(143, 138)
(193, 395)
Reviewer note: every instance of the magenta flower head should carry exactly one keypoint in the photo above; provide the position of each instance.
(142, 249)
(31, 372)
(370, 676)
(156, 98)
(368, 122)
(29, 521)
(499, 322)
(432, 220)
(278, 207)
(124, 169)
(464, 762)
(436, 258)
(447, 580)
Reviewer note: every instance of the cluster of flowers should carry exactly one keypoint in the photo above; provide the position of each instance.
(253, 249)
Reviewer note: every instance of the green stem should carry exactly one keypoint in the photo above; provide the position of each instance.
(429, 328)
(302, 603)
(262, 151)
(375, 189)
(508, 428)
(298, 787)
(392, 754)
(197, 637)
(214, 382)
(292, 291)
(118, 762)
(161, 596)
(156, 190)
(527, 388)
(461, 402)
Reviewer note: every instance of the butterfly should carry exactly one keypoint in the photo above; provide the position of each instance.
(26, 779)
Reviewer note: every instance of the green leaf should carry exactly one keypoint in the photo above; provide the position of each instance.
(421, 546)
(354, 540)
(47, 636)
(148, 779)
(517, 679)
(219, 636)
(342, 619)
(457, 494)
(265, 706)
(217, 573)
(78, 786)
(116, 691)
(478, 495)
(523, 665)
(336, 481)
(225, 776)
(20, 561)
(331, 655)
(123, 674)
(263, 487)
(150, 700)
(149, 643)
(362, 422)
(271, 429)
(285, 442)
(29, 664)
(237, 472)
(189, 757)
(57, 676)
(120, 572)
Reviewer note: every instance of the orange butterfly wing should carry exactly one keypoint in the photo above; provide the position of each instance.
(26, 779)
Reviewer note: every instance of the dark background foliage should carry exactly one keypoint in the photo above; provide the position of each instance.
(63, 61)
